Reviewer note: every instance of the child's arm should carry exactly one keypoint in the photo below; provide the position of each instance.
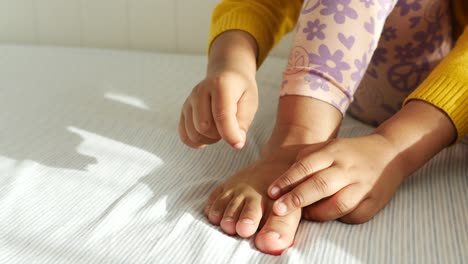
(223, 105)
(447, 86)
(266, 20)
(356, 177)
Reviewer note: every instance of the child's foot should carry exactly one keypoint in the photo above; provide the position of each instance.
(241, 204)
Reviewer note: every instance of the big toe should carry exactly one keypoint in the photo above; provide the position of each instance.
(278, 233)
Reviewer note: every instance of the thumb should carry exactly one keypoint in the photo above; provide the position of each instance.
(246, 109)
(224, 107)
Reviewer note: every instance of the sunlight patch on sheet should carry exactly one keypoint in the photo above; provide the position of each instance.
(127, 99)
(132, 162)
(7, 166)
(124, 211)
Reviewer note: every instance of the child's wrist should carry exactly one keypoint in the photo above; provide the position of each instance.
(417, 132)
(233, 50)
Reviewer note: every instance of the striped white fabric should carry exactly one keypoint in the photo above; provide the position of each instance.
(92, 171)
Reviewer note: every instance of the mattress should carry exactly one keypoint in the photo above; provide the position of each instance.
(92, 171)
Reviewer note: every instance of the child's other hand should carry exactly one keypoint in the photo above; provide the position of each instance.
(222, 106)
(348, 179)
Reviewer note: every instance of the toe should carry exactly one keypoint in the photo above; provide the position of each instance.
(278, 233)
(211, 199)
(216, 211)
(231, 215)
(250, 217)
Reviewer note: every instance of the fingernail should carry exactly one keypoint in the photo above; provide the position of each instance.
(275, 191)
(238, 145)
(247, 221)
(281, 208)
(242, 135)
(273, 234)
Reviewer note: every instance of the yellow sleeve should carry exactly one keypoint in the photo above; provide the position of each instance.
(266, 20)
(447, 86)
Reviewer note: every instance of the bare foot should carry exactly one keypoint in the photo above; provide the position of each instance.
(241, 204)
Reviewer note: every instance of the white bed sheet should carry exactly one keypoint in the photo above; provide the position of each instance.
(92, 171)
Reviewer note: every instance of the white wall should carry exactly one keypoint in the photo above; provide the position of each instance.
(154, 25)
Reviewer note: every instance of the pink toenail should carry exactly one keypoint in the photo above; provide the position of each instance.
(275, 191)
(228, 219)
(281, 208)
(215, 213)
(247, 221)
(273, 234)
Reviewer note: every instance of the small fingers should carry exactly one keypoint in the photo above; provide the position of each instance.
(202, 116)
(363, 213)
(195, 137)
(299, 172)
(317, 187)
(336, 206)
(247, 107)
(224, 110)
(183, 134)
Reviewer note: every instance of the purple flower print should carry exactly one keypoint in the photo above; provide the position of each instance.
(406, 52)
(407, 6)
(361, 66)
(430, 39)
(340, 104)
(415, 21)
(316, 82)
(309, 6)
(314, 29)
(379, 56)
(389, 33)
(332, 64)
(340, 9)
(367, 3)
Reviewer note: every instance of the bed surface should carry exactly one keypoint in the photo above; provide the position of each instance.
(92, 171)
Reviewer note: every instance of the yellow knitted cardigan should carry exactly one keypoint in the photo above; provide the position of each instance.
(269, 20)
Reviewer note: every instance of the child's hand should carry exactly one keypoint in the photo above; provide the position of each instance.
(348, 179)
(221, 106)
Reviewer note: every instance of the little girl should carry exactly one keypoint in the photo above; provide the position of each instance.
(366, 57)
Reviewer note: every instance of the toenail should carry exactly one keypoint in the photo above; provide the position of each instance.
(228, 219)
(273, 234)
(215, 213)
(282, 208)
(247, 221)
(275, 191)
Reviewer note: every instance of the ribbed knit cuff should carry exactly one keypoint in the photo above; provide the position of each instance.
(248, 21)
(449, 95)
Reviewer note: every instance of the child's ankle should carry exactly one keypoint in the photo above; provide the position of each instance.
(287, 140)
(301, 121)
